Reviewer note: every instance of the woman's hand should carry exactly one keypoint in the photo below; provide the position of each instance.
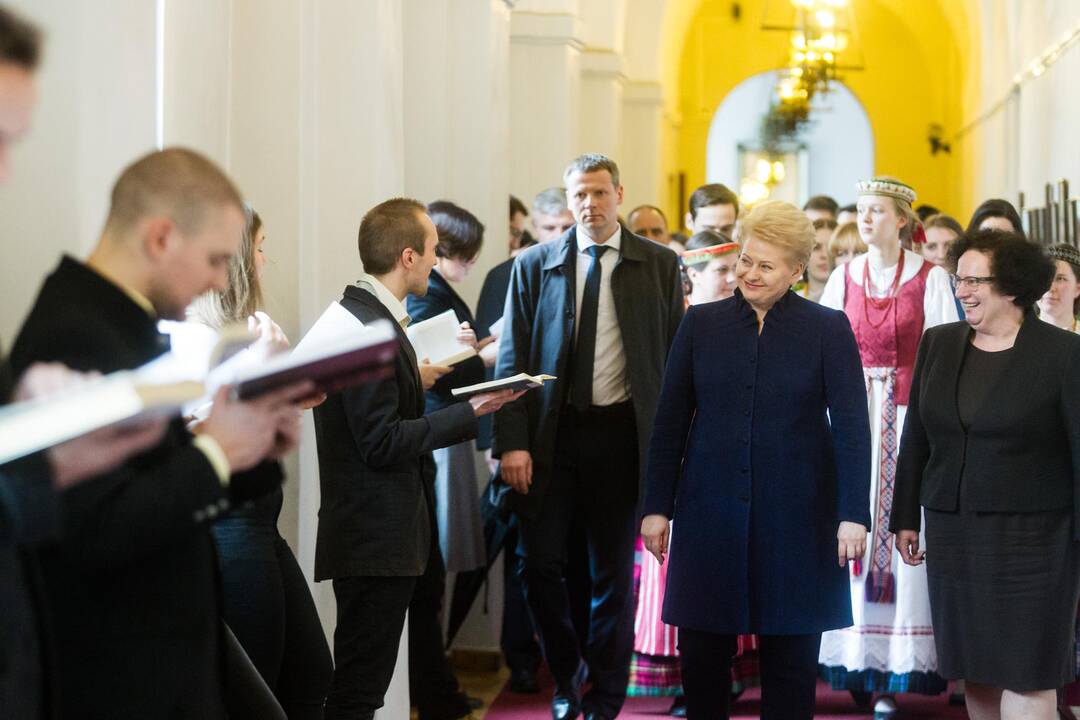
(655, 533)
(269, 337)
(907, 542)
(850, 542)
(467, 336)
(489, 350)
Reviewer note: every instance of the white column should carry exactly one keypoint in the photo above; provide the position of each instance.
(601, 128)
(57, 196)
(545, 96)
(639, 161)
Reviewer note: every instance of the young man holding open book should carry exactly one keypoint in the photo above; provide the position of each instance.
(377, 539)
(132, 587)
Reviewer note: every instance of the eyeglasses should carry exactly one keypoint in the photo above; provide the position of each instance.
(971, 282)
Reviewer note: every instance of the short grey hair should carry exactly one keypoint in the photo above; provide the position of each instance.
(551, 201)
(593, 162)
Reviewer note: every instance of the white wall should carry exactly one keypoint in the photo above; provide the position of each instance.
(839, 141)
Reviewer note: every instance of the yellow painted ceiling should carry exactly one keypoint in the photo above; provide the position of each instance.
(921, 68)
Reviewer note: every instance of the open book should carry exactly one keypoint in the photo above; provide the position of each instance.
(521, 381)
(166, 386)
(436, 340)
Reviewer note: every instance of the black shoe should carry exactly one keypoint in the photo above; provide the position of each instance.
(862, 698)
(524, 682)
(565, 707)
(678, 707)
(454, 707)
(596, 716)
(474, 703)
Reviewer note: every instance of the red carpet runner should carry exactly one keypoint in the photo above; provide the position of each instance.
(830, 704)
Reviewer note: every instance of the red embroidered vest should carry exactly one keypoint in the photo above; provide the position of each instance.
(889, 338)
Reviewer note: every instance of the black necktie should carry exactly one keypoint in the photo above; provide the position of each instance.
(585, 349)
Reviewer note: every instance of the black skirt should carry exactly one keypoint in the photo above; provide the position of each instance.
(1003, 596)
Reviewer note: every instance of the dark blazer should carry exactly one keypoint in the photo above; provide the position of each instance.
(132, 588)
(1022, 452)
(761, 447)
(489, 308)
(440, 298)
(492, 300)
(538, 335)
(375, 444)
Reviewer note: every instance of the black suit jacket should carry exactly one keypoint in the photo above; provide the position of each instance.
(441, 297)
(28, 515)
(375, 444)
(1021, 454)
(538, 335)
(132, 588)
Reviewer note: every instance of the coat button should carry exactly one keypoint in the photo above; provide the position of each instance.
(746, 412)
(745, 440)
(744, 498)
(749, 386)
(753, 359)
(745, 471)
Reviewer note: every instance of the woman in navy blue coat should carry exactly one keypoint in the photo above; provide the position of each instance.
(761, 453)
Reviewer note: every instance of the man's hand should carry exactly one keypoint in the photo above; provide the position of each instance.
(102, 450)
(655, 534)
(249, 431)
(489, 402)
(429, 374)
(907, 542)
(287, 436)
(94, 453)
(41, 379)
(850, 542)
(516, 470)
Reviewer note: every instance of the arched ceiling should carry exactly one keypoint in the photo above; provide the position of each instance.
(922, 62)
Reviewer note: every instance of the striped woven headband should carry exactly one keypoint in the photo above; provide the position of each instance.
(1064, 252)
(704, 255)
(887, 187)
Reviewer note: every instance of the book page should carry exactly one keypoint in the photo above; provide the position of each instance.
(436, 340)
(334, 326)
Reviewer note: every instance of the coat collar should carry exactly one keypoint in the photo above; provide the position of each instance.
(632, 248)
(775, 313)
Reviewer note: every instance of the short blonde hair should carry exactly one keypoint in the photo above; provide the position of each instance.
(846, 238)
(780, 224)
(177, 182)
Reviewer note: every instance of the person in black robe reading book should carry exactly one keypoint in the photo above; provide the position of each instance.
(376, 538)
(29, 510)
(132, 589)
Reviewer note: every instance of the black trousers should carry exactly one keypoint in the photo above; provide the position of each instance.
(268, 606)
(788, 674)
(594, 484)
(518, 637)
(371, 616)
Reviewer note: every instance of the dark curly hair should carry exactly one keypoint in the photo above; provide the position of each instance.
(1020, 268)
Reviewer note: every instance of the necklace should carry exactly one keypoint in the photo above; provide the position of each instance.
(883, 305)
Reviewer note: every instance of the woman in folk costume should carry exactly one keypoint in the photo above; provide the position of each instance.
(709, 265)
(891, 296)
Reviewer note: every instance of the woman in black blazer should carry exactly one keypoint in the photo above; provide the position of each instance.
(991, 450)
(457, 488)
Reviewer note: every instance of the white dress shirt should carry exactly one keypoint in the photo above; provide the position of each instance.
(610, 385)
(391, 303)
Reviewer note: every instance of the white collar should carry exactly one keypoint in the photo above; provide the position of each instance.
(391, 303)
(614, 242)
